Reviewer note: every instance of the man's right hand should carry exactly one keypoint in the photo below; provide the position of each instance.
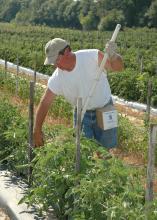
(111, 48)
(41, 113)
(38, 138)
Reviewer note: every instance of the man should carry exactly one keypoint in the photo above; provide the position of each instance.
(74, 76)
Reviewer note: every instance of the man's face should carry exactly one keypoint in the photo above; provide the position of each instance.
(61, 61)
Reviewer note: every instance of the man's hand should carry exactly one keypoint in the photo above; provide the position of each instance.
(38, 138)
(111, 48)
(113, 64)
(41, 113)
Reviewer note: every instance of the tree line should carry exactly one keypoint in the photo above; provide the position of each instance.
(81, 14)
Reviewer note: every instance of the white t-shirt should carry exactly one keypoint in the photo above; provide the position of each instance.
(78, 82)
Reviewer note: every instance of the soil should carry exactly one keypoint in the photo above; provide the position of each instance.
(134, 115)
(3, 215)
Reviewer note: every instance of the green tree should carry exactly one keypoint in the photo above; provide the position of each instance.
(133, 10)
(9, 11)
(78, 13)
(71, 14)
(111, 19)
(88, 14)
(89, 21)
(152, 14)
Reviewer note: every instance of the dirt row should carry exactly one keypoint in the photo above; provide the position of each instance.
(3, 215)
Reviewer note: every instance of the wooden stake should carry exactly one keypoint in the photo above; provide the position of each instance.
(17, 74)
(35, 67)
(6, 65)
(149, 94)
(151, 162)
(78, 132)
(31, 121)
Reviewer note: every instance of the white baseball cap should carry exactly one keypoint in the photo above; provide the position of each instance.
(52, 49)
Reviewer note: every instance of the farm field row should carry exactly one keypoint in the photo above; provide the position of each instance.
(54, 159)
(137, 46)
(53, 168)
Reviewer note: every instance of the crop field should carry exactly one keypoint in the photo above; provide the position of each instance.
(138, 48)
(120, 195)
(104, 188)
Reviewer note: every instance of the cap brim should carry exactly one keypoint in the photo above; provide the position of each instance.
(48, 61)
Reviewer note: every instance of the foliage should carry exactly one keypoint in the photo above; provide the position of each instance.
(137, 47)
(104, 189)
(87, 21)
(112, 18)
(9, 81)
(152, 14)
(10, 8)
(13, 136)
(78, 14)
(132, 86)
(132, 138)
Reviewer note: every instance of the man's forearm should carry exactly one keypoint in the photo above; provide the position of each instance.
(43, 110)
(40, 116)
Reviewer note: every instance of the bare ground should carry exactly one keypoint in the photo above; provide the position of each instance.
(3, 215)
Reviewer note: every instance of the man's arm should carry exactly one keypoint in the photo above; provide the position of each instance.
(41, 113)
(115, 63)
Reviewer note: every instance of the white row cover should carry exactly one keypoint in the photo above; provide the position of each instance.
(27, 71)
(135, 105)
(24, 70)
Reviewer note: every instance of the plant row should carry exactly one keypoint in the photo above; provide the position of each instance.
(138, 48)
(133, 86)
(20, 86)
(104, 189)
(27, 42)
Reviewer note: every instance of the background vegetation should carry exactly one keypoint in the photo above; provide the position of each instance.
(81, 14)
(137, 46)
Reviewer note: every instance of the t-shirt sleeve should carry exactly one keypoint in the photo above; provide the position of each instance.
(54, 83)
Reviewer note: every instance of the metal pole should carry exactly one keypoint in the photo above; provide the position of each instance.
(31, 121)
(78, 132)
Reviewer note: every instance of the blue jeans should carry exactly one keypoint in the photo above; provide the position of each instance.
(107, 138)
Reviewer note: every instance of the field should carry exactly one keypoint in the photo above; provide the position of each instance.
(56, 160)
(104, 189)
(138, 48)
